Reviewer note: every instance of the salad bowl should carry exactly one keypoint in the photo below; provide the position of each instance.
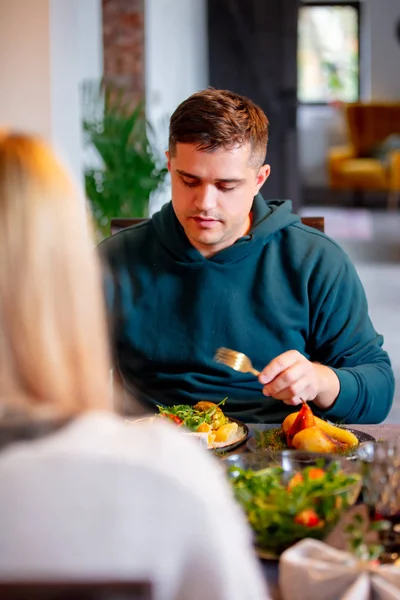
(291, 495)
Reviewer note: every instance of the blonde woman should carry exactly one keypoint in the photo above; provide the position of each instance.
(83, 493)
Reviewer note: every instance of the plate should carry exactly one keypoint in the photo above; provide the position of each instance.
(239, 438)
(254, 444)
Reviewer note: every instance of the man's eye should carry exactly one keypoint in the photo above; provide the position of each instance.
(190, 184)
(223, 188)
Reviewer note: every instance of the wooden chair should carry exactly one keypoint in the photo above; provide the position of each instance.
(314, 222)
(68, 590)
(119, 224)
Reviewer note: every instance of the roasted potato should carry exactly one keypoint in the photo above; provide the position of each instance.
(225, 432)
(218, 418)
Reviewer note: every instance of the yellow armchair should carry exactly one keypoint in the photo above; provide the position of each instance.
(356, 166)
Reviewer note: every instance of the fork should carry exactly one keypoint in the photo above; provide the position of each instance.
(237, 361)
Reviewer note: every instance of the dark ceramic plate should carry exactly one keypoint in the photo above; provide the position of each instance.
(258, 443)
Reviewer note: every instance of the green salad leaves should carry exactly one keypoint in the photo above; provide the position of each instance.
(283, 508)
(190, 416)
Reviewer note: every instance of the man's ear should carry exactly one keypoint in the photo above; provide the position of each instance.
(262, 176)
(167, 154)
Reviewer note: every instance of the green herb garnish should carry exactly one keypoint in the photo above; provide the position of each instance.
(275, 439)
(190, 417)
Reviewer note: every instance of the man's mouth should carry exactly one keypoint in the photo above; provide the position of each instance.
(205, 222)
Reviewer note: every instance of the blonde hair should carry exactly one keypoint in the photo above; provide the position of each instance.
(53, 343)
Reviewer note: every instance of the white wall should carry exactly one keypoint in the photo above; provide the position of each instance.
(64, 83)
(319, 127)
(176, 62)
(76, 54)
(385, 49)
(90, 39)
(46, 48)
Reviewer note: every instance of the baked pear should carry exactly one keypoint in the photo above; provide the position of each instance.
(346, 438)
(304, 420)
(313, 439)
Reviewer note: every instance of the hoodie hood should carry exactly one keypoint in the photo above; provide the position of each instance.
(268, 218)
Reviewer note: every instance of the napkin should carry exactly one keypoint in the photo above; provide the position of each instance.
(312, 570)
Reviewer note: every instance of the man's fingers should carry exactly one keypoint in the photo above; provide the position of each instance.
(286, 380)
(278, 365)
(293, 401)
(293, 394)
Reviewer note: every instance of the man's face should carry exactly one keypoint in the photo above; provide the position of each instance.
(212, 194)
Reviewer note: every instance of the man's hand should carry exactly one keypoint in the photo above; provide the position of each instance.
(292, 378)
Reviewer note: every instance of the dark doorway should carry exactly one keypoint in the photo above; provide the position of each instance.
(253, 51)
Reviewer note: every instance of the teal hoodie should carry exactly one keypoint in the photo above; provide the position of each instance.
(283, 286)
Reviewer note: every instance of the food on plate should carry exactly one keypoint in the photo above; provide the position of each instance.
(284, 507)
(313, 439)
(225, 432)
(305, 431)
(203, 418)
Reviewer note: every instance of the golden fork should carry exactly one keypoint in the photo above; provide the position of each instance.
(237, 361)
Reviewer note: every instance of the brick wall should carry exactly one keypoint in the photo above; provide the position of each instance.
(123, 41)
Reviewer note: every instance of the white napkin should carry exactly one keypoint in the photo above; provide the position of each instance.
(312, 570)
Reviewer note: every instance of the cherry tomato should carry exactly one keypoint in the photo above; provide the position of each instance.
(307, 517)
(176, 419)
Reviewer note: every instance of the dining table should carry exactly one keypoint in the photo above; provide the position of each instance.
(337, 539)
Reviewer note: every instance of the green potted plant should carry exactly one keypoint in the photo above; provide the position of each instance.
(124, 166)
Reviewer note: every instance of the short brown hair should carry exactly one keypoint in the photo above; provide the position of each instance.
(213, 119)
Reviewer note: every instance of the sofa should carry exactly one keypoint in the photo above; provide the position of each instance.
(371, 160)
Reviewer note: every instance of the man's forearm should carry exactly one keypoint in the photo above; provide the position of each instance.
(365, 393)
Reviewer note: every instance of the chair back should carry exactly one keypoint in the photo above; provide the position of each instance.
(314, 222)
(371, 123)
(68, 590)
(120, 224)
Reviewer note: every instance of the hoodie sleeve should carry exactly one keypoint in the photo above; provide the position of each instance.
(345, 340)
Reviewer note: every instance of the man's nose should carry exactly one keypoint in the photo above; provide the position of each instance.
(206, 197)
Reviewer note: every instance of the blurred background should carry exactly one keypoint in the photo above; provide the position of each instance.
(100, 79)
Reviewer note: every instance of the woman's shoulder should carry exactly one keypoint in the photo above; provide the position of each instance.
(148, 444)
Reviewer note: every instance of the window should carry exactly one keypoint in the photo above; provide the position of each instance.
(328, 52)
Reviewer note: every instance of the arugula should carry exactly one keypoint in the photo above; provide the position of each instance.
(190, 417)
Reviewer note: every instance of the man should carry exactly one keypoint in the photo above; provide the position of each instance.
(217, 266)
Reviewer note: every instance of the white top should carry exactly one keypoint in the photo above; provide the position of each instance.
(107, 499)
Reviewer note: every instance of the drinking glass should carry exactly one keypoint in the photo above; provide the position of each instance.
(381, 492)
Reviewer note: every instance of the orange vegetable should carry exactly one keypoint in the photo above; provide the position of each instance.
(316, 473)
(295, 480)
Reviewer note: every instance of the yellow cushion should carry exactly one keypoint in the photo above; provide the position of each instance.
(363, 172)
